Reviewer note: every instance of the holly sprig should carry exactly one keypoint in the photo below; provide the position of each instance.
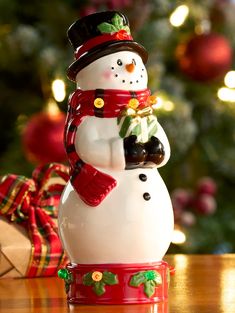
(107, 278)
(150, 279)
(67, 276)
(117, 25)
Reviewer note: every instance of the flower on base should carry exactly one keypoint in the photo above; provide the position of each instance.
(98, 280)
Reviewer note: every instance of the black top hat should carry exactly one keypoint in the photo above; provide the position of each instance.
(99, 34)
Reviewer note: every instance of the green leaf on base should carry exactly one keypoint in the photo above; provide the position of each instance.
(99, 288)
(138, 279)
(158, 279)
(149, 288)
(87, 279)
(110, 278)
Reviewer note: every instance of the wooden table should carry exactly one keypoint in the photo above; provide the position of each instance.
(202, 284)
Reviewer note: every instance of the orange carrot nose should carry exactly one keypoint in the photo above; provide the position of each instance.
(130, 67)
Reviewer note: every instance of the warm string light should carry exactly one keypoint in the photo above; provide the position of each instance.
(227, 94)
(52, 107)
(58, 90)
(178, 237)
(203, 27)
(229, 79)
(163, 104)
(179, 15)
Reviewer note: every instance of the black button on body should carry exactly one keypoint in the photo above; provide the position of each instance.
(143, 177)
(146, 196)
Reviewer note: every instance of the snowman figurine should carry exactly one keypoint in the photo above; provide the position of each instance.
(115, 215)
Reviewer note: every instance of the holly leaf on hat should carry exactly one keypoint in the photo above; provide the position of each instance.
(127, 29)
(117, 21)
(107, 28)
(117, 24)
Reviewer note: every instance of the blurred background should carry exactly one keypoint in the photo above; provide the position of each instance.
(191, 68)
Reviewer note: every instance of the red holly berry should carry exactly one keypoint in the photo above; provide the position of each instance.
(177, 213)
(188, 218)
(122, 34)
(205, 204)
(181, 198)
(206, 185)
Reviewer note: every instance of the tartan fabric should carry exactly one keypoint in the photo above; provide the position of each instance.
(31, 203)
(92, 185)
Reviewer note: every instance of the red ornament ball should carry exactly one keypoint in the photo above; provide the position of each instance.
(43, 138)
(205, 57)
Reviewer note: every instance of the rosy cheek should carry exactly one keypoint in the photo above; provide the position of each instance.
(107, 74)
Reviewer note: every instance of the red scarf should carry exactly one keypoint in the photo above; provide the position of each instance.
(92, 185)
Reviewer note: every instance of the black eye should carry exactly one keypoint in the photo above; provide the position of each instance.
(119, 62)
(133, 61)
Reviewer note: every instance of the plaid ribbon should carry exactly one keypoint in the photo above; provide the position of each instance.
(32, 202)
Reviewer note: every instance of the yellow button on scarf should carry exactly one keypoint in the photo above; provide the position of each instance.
(133, 103)
(99, 103)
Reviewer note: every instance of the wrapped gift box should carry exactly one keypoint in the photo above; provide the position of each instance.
(15, 250)
(29, 241)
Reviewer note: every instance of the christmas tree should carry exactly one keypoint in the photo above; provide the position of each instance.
(190, 68)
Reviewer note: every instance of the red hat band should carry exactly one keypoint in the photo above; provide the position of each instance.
(121, 35)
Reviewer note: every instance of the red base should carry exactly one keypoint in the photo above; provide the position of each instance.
(121, 292)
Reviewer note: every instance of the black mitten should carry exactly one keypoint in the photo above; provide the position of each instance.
(135, 152)
(155, 150)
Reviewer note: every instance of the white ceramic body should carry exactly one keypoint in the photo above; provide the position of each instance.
(124, 228)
